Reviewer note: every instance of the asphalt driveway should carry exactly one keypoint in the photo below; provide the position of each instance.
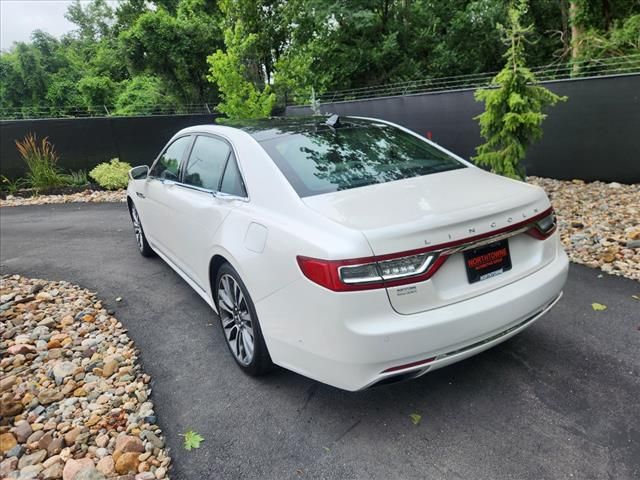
(561, 400)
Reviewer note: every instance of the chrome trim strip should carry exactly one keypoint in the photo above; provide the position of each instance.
(434, 254)
(501, 334)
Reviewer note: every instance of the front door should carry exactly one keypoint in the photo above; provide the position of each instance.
(154, 202)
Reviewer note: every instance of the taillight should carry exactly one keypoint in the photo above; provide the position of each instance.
(368, 273)
(544, 227)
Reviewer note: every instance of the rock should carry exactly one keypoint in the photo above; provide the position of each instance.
(35, 437)
(43, 297)
(51, 460)
(56, 446)
(16, 451)
(80, 392)
(30, 472)
(71, 435)
(106, 465)
(45, 440)
(127, 463)
(89, 474)
(10, 407)
(7, 465)
(62, 370)
(633, 244)
(109, 368)
(32, 459)
(7, 382)
(102, 440)
(72, 467)
(22, 431)
(7, 442)
(154, 439)
(145, 476)
(49, 396)
(161, 472)
(129, 443)
(53, 472)
(20, 349)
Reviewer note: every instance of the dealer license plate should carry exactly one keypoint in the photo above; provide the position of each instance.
(487, 261)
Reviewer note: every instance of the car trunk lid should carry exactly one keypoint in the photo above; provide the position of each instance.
(443, 208)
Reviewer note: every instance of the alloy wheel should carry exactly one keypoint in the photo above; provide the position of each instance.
(236, 319)
(137, 228)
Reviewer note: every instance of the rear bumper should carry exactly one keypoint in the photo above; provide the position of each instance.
(349, 339)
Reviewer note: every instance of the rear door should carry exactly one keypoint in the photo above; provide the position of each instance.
(211, 187)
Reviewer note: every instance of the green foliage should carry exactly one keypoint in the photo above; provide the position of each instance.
(41, 160)
(173, 47)
(622, 39)
(131, 54)
(513, 108)
(192, 440)
(141, 95)
(111, 175)
(76, 179)
(10, 187)
(240, 97)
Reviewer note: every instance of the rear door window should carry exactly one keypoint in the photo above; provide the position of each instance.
(206, 163)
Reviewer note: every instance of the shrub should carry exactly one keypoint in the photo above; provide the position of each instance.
(10, 187)
(41, 159)
(112, 175)
(76, 179)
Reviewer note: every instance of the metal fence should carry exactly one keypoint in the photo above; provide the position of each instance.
(557, 71)
(83, 111)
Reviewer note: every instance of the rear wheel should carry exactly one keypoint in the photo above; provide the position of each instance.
(240, 323)
(141, 239)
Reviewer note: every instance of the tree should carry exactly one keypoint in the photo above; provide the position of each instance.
(240, 97)
(513, 108)
(174, 47)
(143, 95)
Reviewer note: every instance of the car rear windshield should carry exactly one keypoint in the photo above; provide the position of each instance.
(323, 159)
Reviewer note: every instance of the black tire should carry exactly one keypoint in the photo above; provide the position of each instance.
(234, 318)
(141, 239)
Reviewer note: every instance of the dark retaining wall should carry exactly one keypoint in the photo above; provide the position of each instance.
(595, 135)
(82, 143)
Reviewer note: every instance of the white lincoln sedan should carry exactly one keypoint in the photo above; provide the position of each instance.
(349, 250)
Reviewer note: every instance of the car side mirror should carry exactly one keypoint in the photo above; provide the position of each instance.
(139, 173)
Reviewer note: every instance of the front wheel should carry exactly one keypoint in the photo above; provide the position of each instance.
(240, 323)
(141, 239)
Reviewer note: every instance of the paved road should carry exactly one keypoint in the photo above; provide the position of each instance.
(559, 401)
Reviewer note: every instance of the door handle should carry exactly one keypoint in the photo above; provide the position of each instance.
(141, 195)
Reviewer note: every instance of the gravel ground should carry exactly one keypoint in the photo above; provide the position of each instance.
(73, 399)
(599, 223)
(86, 196)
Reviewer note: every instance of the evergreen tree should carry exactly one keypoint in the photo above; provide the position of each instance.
(513, 106)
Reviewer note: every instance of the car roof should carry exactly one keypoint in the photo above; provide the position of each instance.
(267, 128)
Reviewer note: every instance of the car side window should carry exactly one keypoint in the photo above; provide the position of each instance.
(168, 165)
(232, 180)
(206, 163)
